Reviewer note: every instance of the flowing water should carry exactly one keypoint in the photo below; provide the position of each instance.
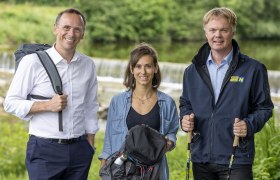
(111, 72)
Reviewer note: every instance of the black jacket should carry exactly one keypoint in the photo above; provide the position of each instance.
(244, 94)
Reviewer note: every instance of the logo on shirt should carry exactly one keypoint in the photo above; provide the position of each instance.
(236, 79)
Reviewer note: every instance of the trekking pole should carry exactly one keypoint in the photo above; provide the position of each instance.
(189, 155)
(235, 144)
(189, 139)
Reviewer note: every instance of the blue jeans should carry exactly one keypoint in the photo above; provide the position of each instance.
(207, 171)
(49, 160)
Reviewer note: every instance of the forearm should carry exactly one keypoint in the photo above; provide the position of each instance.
(42, 106)
(56, 104)
(102, 162)
(256, 121)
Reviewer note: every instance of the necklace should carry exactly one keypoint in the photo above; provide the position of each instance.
(142, 100)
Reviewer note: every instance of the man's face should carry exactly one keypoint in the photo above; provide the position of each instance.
(219, 33)
(69, 31)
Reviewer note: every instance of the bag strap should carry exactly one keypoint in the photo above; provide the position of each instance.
(54, 76)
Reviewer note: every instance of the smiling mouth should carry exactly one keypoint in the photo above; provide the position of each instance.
(218, 42)
(143, 78)
(71, 40)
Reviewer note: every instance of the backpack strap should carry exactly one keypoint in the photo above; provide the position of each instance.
(54, 76)
(153, 172)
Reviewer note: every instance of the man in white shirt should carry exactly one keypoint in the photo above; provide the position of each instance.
(54, 154)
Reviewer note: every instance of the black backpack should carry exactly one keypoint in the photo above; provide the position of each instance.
(48, 64)
(139, 158)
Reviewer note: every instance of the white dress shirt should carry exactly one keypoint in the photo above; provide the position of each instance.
(79, 83)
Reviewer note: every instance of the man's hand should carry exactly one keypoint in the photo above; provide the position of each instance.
(240, 128)
(90, 138)
(58, 103)
(188, 122)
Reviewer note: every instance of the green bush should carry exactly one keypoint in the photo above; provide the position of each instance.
(267, 159)
(12, 147)
(14, 137)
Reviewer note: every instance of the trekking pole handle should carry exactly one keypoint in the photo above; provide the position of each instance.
(236, 138)
(189, 137)
(190, 132)
(236, 141)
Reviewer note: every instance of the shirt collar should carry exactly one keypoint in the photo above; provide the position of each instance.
(56, 57)
(227, 59)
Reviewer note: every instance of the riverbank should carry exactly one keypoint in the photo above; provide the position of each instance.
(107, 88)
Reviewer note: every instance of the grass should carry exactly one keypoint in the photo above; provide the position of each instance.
(265, 167)
(29, 21)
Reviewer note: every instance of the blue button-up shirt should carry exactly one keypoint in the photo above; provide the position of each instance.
(116, 128)
(217, 72)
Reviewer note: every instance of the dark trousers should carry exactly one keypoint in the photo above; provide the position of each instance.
(208, 171)
(48, 160)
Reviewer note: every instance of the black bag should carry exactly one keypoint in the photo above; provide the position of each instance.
(49, 66)
(143, 150)
(46, 61)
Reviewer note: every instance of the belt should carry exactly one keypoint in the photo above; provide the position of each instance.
(62, 141)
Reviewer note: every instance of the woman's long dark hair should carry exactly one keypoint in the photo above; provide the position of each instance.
(139, 51)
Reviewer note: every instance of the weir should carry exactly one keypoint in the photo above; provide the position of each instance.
(110, 75)
(109, 70)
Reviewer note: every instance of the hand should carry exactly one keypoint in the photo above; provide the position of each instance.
(188, 122)
(239, 128)
(58, 103)
(90, 138)
(169, 144)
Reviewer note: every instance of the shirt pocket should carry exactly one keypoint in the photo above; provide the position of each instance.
(166, 124)
(117, 126)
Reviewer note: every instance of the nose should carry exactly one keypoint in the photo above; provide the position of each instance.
(143, 70)
(71, 31)
(218, 33)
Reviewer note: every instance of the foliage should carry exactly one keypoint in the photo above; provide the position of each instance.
(135, 21)
(26, 23)
(267, 160)
(125, 20)
(12, 147)
(41, 2)
(258, 19)
(180, 20)
(12, 152)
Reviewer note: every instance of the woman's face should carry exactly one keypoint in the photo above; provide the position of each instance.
(144, 71)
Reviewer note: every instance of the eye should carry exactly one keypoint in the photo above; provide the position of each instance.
(78, 30)
(148, 66)
(66, 28)
(224, 30)
(138, 66)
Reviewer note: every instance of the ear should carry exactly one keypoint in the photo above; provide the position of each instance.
(205, 35)
(82, 37)
(54, 29)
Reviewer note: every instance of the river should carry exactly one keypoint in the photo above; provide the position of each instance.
(110, 70)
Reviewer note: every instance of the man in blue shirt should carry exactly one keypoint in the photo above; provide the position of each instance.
(228, 94)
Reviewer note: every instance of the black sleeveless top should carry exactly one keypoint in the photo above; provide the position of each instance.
(151, 119)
